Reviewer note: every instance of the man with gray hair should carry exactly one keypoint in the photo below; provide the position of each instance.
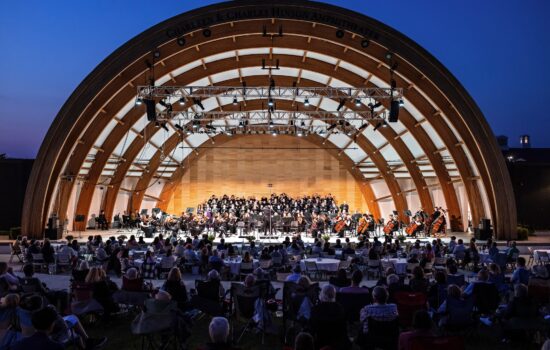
(219, 332)
(328, 321)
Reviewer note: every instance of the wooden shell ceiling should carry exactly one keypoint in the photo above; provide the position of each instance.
(99, 137)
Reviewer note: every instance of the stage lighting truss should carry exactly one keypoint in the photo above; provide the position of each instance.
(265, 92)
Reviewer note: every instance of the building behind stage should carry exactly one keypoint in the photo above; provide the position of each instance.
(14, 175)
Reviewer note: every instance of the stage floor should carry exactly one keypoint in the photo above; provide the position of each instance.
(235, 239)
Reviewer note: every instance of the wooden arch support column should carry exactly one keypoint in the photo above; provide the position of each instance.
(317, 140)
(71, 135)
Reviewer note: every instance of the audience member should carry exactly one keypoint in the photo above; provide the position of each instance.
(422, 325)
(379, 310)
(521, 273)
(219, 334)
(355, 287)
(328, 321)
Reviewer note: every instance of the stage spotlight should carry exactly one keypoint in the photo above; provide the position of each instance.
(350, 132)
(389, 55)
(306, 102)
(377, 126)
(228, 132)
(394, 111)
(340, 33)
(401, 103)
(363, 127)
(365, 43)
(235, 100)
(179, 127)
(270, 102)
(299, 133)
(163, 125)
(332, 126)
(274, 133)
(181, 41)
(357, 102)
(156, 54)
(341, 104)
(271, 125)
(139, 101)
(321, 132)
(198, 103)
(206, 32)
(189, 132)
(181, 101)
(303, 124)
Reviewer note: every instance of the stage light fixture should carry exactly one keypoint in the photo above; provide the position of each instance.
(341, 104)
(229, 133)
(364, 126)
(156, 54)
(189, 132)
(306, 102)
(179, 127)
(377, 126)
(358, 102)
(303, 124)
(365, 43)
(139, 101)
(299, 133)
(274, 133)
(163, 125)
(206, 32)
(332, 126)
(340, 33)
(198, 103)
(389, 55)
(401, 103)
(181, 101)
(270, 102)
(181, 41)
(235, 100)
(271, 125)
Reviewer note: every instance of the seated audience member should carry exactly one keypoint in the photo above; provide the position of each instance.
(453, 277)
(103, 290)
(355, 287)
(215, 261)
(304, 341)
(213, 276)
(189, 254)
(295, 275)
(521, 273)
(348, 250)
(455, 310)
(265, 254)
(48, 252)
(219, 334)
(485, 293)
(175, 286)
(422, 327)
(394, 285)
(520, 312)
(437, 293)
(80, 273)
(328, 321)
(379, 310)
(471, 255)
(341, 279)
(31, 284)
(512, 251)
(493, 251)
(221, 245)
(498, 278)
(179, 250)
(69, 251)
(317, 248)
(8, 280)
(8, 313)
(419, 283)
(459, 250)
(131, 281)
(101, 254)
(452, 244)
(43, 321)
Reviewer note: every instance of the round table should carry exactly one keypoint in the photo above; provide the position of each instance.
(235, 265)
(323, 264)
(400, 265)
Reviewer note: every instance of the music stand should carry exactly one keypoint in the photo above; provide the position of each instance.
(407, 213)
(143, 212)
(189, 210)
(79, 218)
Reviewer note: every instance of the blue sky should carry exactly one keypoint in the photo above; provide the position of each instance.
(496, 48)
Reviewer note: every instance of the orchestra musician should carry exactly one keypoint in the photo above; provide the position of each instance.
(392, 225)
(439, 222)
(102, 221)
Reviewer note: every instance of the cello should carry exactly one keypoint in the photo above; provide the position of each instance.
(362, 226)
(411, 228)
(389, 227)
(339, 226)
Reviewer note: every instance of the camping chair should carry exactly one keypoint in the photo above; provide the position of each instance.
(447, 343)
(243, 302)
(16, 252)
(208, 298)
(381, 335)
(63, 261)
(407, 304)
(293, 296)
(82, 302)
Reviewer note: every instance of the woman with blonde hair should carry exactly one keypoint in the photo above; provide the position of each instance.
(103, 289)
(175, 286)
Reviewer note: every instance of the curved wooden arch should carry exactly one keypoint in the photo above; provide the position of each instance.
(421, 69)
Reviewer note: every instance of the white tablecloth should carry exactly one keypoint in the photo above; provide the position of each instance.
(235, 265)
(536, 253)
(400, 265)
(325, 264)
